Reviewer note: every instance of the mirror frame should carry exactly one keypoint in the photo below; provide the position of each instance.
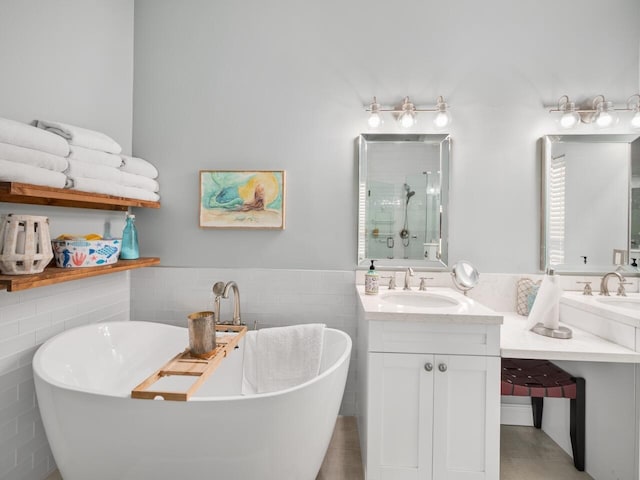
(444, 141)
(546, 151)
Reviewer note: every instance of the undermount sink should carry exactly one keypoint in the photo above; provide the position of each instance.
(621, 302)
(419, 299)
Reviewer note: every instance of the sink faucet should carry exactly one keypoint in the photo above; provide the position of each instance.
(407, 280)
(236, 300)
(604, 289)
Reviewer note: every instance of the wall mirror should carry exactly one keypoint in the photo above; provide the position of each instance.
(403, 199)
(590, 213)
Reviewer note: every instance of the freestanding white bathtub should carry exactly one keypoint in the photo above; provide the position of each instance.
(84, 378)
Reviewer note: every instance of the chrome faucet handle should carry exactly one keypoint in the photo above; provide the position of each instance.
(392, 281)
(587, 288)
(621, 290)
(423, 283)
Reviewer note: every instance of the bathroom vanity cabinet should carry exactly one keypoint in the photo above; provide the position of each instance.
(430, 407)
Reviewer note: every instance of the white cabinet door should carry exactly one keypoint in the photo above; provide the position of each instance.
(400, 417)
(466, 426)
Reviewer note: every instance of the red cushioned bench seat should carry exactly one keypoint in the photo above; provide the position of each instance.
(537, 379)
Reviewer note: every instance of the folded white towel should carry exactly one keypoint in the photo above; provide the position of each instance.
(109, 188)
(546, 306)
(95, 156)
(28, 136)
(23, 173)
(281, 357)
(138, 166)
(82, 137)
(35, 158)
(78, 168)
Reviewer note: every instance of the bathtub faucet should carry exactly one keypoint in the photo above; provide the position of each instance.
(236, 300)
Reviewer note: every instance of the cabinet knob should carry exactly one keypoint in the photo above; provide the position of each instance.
(442, 367)
(428, 366)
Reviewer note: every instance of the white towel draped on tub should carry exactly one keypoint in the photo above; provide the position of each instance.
(28, 136)
(23, 173)
(109, 188)
(35, 158)
(281, 357)
(82, 137)
(138, 166)
(95, 157)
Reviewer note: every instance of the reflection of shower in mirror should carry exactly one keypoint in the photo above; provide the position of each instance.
(404, 233)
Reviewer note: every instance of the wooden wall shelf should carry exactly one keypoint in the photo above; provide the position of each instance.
(53, 275)
(15, 192)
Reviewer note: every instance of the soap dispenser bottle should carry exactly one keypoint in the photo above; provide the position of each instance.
(130, 250)
(371, 280)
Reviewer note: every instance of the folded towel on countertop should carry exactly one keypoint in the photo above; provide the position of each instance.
(95, 156)
(138, 166)
(28, 136)
(82, 137)
(109, 188)
(23, 173)
(79, 168)
(35, 158)
(281, 357)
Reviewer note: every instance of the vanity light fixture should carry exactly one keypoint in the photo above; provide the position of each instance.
(602, 113)
(406, 114)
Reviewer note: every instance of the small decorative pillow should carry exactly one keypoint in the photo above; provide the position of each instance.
(525, 295)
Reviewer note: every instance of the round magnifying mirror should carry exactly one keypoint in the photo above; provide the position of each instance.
(465, 276)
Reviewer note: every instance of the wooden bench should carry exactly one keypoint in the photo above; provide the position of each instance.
(541, 378)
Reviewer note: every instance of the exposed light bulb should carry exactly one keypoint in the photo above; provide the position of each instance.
(375, 120)
(407, 120)
(569, 119)
(442, 120)
(407, 116)
(605, 115)
(635, 120)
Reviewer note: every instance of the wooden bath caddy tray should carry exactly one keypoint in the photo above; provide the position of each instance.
(186, 364)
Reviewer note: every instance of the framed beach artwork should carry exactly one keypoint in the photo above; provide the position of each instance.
(242, 199)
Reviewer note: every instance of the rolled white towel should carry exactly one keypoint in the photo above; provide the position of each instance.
(28, 136)
(23, 173)
(78, 168)
(82, 137)
(109, 188)
(35, 158)
(95, 156)
(138, 166)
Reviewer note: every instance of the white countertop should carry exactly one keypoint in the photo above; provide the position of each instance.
(516, 342)
(465, 309)
(611, 309)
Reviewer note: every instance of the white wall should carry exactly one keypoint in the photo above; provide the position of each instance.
(257, 85)
(71, 61)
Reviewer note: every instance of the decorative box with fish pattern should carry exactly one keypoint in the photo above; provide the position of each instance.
(86, 253)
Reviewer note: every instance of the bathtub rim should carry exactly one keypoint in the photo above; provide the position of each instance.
(39, 368)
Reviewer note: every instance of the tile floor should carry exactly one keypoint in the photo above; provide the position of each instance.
(526, 454)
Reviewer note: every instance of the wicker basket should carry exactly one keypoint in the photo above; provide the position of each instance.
(25, 244)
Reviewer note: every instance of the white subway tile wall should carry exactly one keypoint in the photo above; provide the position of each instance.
(270, 297)
(27, 319)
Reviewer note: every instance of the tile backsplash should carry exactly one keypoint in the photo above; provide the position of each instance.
(27, 319)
